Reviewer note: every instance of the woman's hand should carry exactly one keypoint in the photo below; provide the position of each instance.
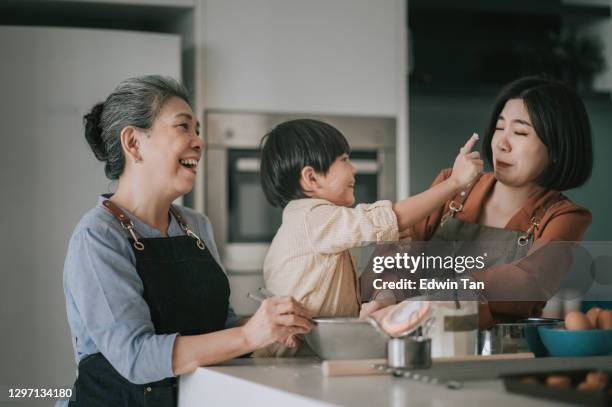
(468, 164)
(278, 319)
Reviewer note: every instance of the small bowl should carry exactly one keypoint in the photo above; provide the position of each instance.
(346, 338)
(586, 342)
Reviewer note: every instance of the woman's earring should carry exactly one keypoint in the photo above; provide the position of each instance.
(137, 161)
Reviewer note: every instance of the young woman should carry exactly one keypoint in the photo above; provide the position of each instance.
(538, 142)
(146, 296)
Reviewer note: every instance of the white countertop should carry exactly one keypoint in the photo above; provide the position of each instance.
(300, 382)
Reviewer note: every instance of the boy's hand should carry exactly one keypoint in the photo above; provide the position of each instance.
(367, 308)
(384, 299)
(468, 164)
(379, 314)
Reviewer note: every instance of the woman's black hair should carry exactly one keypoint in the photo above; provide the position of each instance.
(135, 102)
(560, 120)
(291, 146)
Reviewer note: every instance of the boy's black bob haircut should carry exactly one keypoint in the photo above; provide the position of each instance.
(291, 146)
(560, 120)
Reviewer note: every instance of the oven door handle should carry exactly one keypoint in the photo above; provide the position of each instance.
(247, 164)
(361, 166)
(365, 166)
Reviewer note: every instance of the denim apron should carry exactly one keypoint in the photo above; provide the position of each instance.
(186, 291)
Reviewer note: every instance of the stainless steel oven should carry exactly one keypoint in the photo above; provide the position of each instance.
(243, 221)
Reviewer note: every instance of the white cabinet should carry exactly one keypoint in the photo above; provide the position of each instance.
(320, 56)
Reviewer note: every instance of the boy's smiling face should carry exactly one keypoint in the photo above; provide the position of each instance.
(337, 185)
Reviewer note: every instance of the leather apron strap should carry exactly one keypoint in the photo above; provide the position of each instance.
(456, 205)
(127, 224)
(186, 227)
(538, 214)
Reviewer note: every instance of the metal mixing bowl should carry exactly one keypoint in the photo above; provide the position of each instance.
(516, 337)
(346, 338)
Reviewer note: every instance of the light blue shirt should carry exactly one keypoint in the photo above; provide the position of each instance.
(104, 294)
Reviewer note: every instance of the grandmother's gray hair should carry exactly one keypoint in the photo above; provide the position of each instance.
(134, 102)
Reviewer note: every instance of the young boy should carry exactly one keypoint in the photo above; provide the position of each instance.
(305, 169)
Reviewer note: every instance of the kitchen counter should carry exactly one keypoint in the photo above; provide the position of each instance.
(300, 382)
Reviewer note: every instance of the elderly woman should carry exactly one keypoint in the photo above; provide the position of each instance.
(146, 296)
(538, 142)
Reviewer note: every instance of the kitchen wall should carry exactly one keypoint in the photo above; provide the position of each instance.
(440, 123)
(596, 194)
(50, 78)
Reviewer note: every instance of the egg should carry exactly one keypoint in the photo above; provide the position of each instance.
(597, 378)
(604, 319)
(530, 380)
(592, 315)
(576, 320)
(584, 386)
(559, 381)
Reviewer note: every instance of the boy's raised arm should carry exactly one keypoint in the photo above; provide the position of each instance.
(333, 229)
(467, 167)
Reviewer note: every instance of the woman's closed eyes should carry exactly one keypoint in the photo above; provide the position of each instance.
(517, 132)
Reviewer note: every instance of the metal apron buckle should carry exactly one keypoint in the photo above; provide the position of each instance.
(523, 240)
(130, 228)
(454, 208)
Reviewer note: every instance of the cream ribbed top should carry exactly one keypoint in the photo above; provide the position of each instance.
(309, 258)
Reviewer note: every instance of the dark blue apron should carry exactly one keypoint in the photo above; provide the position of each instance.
(186, 291)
